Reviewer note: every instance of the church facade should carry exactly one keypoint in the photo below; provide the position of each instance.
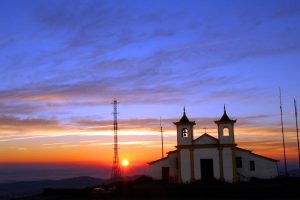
(207, 158)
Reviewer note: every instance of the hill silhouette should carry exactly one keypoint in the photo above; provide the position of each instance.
(146, 188)
(29, 188)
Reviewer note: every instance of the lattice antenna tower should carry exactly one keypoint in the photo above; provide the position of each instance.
(116, 170)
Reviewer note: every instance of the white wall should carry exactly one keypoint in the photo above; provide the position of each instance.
(173, 165)
(206, 153)
(264, 168)
(185, 165)
(227, 164)
(244, 172)
(155, 169)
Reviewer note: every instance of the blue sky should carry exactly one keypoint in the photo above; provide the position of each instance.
(63, 62)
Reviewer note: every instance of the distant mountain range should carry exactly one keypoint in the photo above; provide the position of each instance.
(20, 189)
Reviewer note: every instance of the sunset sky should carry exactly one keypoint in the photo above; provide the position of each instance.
(63, 62)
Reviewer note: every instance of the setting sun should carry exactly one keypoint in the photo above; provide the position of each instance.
(125, 162)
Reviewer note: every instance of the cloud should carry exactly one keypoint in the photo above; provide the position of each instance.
(159, 75)
(163, 55)
(131, 88)
(14, 128)
(17, 122)
(21, 128)
(122, 143)
(138, 133)
(55, 144)
(12, 109)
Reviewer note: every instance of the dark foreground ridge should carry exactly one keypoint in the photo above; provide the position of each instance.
(146, 188)
(29, 188)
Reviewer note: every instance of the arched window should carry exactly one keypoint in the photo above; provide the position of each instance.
(225, 131)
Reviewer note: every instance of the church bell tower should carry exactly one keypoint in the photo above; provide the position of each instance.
(185, 133)
(226, 129)
(227, 148)
(185, 152)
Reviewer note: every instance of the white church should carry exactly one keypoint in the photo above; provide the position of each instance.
(207, 158)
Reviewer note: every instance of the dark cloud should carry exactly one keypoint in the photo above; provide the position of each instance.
(236, 94)
(28, 122)
(12, 109)
(16, 127)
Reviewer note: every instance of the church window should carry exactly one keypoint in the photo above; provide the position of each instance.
(239, 163)
(252, 165)
(185, 132)
(225, 131)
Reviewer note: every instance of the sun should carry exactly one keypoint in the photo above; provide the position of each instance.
(125, 163)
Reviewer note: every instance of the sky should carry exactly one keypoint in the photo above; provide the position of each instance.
(63, 62)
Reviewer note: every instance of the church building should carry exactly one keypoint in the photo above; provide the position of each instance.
(206, 157)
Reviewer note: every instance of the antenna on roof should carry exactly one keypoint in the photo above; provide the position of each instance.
(296, 116)
(224, 108)
(162, 140)
(282, 132)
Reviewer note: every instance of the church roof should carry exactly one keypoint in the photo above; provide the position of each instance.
(225, 117)
(184, 119)
(174, 151)
(155, 161)
(249, 151)
(205, 135)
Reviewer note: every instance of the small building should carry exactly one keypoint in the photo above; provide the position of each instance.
(207, 158)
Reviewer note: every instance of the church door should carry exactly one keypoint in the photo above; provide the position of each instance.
(165, 173)
(207, 169)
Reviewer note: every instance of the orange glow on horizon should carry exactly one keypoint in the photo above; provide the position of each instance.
(136, 148)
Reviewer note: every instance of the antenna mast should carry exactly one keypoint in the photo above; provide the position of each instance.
(282, 132)
(116, 170)
(296, 116)
(162, 140)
